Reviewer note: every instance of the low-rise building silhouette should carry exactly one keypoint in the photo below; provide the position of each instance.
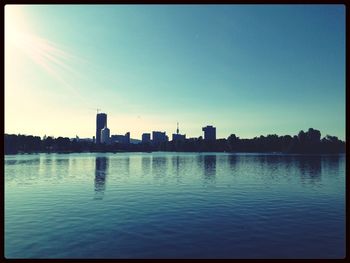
(82, 139)
(146, 138)
(125, 139)
(159, 137)
(177, 136)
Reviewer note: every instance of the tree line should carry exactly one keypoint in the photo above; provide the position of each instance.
(305, 142)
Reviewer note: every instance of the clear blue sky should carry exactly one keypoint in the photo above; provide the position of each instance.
(247, 69)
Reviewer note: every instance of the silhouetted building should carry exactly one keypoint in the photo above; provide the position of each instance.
(84, 139)
(146, 138)
(101, 122)
(125, 139)
(159, 137)
(177, 136)
(209, 133)
(117, 138)
(105, 135)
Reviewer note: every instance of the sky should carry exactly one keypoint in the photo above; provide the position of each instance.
(248, 70)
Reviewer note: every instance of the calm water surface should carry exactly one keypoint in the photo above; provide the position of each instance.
(174, 205)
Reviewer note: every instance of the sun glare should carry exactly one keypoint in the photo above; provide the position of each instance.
(43, 52)
(52, 58)
(15, 23)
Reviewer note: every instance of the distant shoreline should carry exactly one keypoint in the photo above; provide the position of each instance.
(115, 152)
(309, 142)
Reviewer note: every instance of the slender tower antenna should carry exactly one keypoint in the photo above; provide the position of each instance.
(177, 130)
(98, 110)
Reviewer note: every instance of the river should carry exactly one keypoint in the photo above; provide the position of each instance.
(174, 205)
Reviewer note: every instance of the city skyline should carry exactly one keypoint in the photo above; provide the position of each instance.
(247, 70)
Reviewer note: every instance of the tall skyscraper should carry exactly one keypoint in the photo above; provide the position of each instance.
(101, 122)
(209, 133)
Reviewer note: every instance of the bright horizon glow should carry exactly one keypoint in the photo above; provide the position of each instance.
(248, 70)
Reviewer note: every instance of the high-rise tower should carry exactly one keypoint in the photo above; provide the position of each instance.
(101, 122)
(209, 133)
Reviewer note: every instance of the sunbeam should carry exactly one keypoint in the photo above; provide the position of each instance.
(51, 57)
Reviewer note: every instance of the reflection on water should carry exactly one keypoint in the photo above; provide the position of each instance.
(179, 165)
(209, 166)
(307, 167)
(207, 163)
(101, 166)
(30, 161)
(127, 164)
(229, 205)
(159, 166)
(232, 160)
(310, 168)
(146, 165)
(121, 166)
(331, 162)
(62, 161)
(10, 162)
(175, 161)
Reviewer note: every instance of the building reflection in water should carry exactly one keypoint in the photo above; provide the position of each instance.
(159, 166)
(209, 166)
(101, 166)
(125, 163)
(146, 165)
(176, 167)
